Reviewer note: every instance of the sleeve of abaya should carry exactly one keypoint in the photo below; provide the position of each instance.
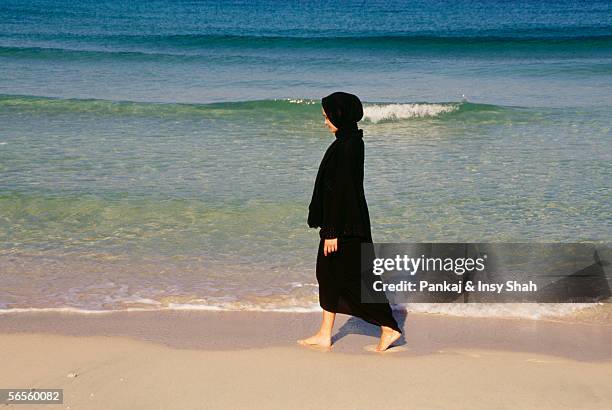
(341, 200)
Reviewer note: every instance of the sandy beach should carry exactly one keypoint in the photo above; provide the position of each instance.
(195, 360)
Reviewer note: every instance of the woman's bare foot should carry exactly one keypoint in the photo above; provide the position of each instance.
(387, 338)
(318, 340)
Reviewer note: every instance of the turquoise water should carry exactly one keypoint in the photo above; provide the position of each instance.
(163, 154)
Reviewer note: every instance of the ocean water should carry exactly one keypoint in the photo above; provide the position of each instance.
(162, 154)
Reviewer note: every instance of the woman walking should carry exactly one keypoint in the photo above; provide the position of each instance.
(339, 208)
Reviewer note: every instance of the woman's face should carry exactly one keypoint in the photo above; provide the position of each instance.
(328, 123)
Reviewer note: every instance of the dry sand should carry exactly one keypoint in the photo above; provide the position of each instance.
(203, 360)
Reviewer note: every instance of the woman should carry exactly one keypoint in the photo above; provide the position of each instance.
(339, 208)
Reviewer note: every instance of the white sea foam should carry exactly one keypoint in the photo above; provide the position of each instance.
(301, 285)
(500, 310)
(234, 307)
(61, 309)
(385, 112)
(534, 311)
(301, 101)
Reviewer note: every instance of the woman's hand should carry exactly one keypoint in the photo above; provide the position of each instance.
(329, 246)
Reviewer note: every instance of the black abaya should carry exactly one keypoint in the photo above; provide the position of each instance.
(339, 208)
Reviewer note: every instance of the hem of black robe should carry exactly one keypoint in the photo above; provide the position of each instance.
(334, 309)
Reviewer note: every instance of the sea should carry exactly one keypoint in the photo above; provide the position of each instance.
(161, 154)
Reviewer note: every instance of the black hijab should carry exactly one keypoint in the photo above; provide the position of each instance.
(344, 110)
(338, 203)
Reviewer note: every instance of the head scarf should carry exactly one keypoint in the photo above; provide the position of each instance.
(344, 110)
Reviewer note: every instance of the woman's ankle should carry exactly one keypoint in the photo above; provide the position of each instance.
(323, 334)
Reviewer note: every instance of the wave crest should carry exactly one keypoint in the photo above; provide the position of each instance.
(388, 112)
